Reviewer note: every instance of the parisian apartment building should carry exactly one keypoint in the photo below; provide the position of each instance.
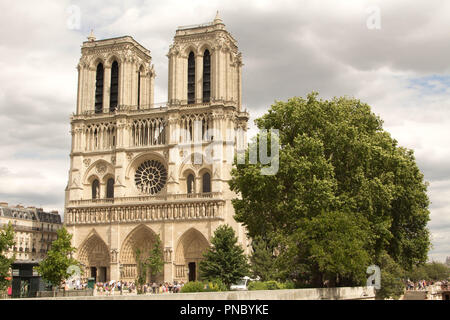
(34, 231)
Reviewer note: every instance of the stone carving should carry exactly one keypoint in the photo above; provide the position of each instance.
(87, 162)
(113, 160)
(100, 168)
(114, 254)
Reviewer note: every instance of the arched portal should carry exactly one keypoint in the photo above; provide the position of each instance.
(188, 255)
(94, 256)
(143, 239)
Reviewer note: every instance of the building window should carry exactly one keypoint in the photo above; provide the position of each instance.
(191, 78)
(206, 76)
(206, 182)
(95, 189)
(99, 89)
(110, 188)
(114, 93)
(190, 184)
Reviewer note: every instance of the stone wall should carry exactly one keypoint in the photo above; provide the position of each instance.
(345, 293)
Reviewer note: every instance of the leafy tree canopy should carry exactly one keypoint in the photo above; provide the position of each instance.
(335, 159)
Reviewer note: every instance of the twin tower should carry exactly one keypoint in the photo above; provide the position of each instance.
(132, 174)
(205, 67)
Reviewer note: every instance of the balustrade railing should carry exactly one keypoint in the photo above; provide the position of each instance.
(144, 198)
(203, 209)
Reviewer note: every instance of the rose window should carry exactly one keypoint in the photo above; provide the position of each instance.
(151, 177)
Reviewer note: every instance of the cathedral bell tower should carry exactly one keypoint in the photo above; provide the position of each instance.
(205, 65)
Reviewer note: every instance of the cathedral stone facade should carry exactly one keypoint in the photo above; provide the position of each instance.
(140, 170)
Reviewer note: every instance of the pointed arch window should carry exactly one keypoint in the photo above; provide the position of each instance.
(206, 182)
(99, 88)
(110, 188)
(190, 183)
(206, 76)
(114, 92)
(191, 78)
(95, 189)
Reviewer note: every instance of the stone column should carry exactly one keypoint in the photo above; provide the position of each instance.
(106, 88)
(199, 78)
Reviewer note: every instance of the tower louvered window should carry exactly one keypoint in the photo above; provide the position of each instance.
(206, 76)
(191, 78)
(113, 98)
(99, 88)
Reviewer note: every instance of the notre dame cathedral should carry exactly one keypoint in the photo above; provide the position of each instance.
(140, 170)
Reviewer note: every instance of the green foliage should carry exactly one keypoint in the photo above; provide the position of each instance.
(433, 271)
(193, 286)
(335, 161)
(6, 241)
(204, 286)
(270, 285)
(328, 246)
(54, 268)
(225, 260)
(263, 259)
(392, 284)
(155, 261)
(215, 286)
(153, 264)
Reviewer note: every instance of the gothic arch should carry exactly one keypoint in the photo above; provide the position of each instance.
(188, 163)
(190, 48)
(96, 60)
(142, 238)
(206, 46)
(104, 168)
(111, 58)
(94, 253)
(189, 253)
(136, 161)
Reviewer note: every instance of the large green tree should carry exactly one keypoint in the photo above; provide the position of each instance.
(6, 242)
(334, 158)
(55, 267)
(225, 260)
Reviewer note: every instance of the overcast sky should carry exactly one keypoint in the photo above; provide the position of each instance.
(399, 64)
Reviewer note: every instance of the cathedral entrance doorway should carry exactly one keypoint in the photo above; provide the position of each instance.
(192, 271)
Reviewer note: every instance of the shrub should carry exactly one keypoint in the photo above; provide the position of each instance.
(199, 286)
(270, 285)
(257, 285)
(193, 286)
(215, 285)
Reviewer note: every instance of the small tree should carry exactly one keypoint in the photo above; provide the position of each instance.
(225, 260)
(55, 267)
(6, 241)
(155, 261)
(141, 271)
(262, 259)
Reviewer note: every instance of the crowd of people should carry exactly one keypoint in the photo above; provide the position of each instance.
(112, 287)
(121, 287)
(423, 284)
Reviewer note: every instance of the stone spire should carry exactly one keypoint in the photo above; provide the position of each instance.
(217, 19)
(91, 36)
